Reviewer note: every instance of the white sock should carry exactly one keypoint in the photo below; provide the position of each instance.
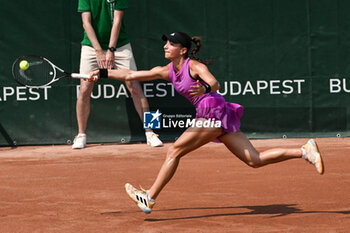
(150, 199)
(81, 135)
(304, 153)
(149, 133)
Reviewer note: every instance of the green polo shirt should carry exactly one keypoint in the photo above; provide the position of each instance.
(102, 20)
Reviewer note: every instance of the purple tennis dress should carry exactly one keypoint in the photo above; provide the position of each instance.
(209, 105)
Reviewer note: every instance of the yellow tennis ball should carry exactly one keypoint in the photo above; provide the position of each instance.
(24, 65)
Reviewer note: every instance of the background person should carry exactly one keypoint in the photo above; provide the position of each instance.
(106, 45)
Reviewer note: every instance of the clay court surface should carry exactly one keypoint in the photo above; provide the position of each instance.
(57, 189)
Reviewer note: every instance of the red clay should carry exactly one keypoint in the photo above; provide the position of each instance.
(57, 189)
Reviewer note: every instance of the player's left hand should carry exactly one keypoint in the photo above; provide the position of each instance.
(197, 90)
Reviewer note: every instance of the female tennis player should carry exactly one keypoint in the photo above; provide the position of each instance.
(192, 79)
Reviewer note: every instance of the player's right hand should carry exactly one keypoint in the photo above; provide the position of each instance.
(94, 76)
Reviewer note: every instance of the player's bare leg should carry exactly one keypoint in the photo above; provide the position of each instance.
(240, 146)
(190, 140)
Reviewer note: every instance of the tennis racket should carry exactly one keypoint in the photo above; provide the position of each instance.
(38, 72)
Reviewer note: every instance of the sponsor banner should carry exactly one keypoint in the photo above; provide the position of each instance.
(165, 90)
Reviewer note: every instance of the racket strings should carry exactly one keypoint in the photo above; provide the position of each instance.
(39, 72)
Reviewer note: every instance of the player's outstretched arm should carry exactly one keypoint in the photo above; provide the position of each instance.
(159, 72)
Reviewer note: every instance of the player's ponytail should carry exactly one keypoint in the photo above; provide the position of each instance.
(193, 53)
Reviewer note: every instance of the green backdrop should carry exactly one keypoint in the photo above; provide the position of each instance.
(286, 62)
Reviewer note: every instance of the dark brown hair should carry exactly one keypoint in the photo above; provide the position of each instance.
(193, 53)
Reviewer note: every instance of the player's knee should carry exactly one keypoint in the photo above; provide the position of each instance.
(254, 164)
(173, 153)
(254, 161)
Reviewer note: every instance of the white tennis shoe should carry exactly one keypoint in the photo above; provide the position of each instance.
(153, 140)
(313, 155)
(140, 197)
(79, 141)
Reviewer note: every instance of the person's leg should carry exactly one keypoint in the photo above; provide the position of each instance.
(124, 59)
(83, 104)
(141, 105)
(139, 99)
(88, 63)
(240, 146)
(190, 140)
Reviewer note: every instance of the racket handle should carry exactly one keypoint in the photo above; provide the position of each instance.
(83, 76)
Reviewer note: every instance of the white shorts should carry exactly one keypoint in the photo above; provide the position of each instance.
(123, 59)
